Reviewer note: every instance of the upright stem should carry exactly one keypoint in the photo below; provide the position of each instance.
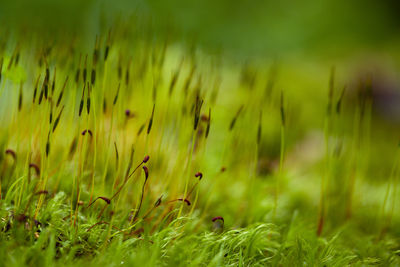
(280, 174)
(189, 164)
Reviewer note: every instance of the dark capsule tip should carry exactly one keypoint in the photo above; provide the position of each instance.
(87, 131)
(12, 153)
(146, 172)
(35, 167)
(199, 175)
(217, 218)
(158, 202)
(146, 159)
(185, 200)
(129, 113)
(204, 117)
(107, 200)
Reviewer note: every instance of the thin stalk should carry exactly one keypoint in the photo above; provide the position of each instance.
(187, 173)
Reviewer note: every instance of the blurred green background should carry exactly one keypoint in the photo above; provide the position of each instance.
(327, 28)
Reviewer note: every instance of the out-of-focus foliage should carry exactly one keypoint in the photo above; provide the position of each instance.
(248, 27)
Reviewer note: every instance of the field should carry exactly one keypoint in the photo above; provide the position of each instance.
(128, 146)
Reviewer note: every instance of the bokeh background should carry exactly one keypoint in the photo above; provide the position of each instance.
(325, 28)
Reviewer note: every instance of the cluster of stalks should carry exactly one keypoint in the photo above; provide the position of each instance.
(78, 117)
